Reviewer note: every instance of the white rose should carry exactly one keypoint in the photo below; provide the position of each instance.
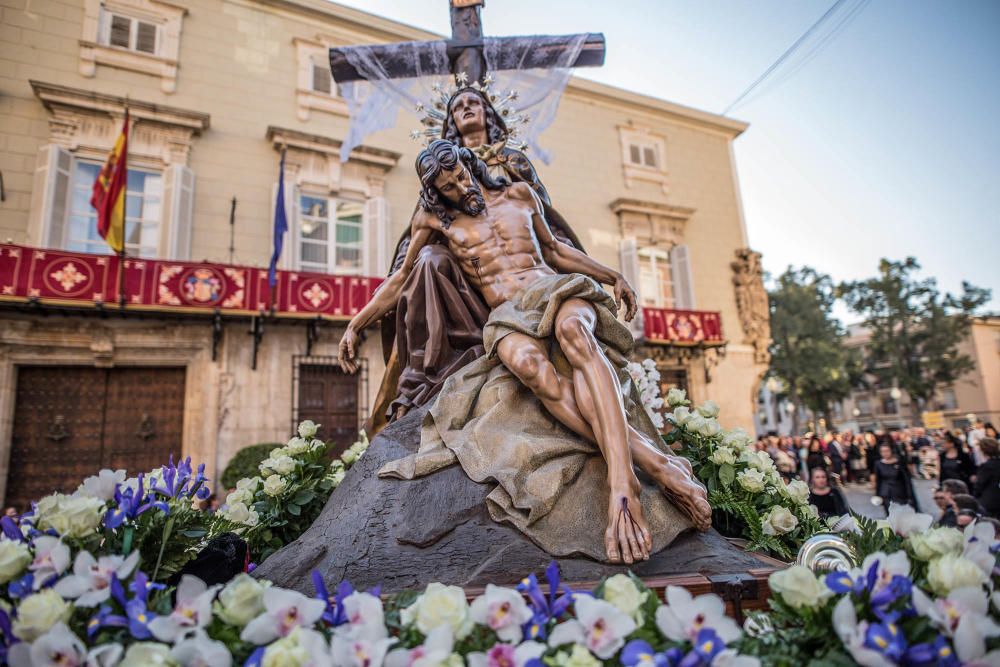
(38, 613)
(71, 516)
(253, 519)
(439, 605)
(952, 571)
(283, 465)
(278, 452)
(751, 480)
(579, 656)
(759, 460)
(250, 484)
(297, 446)
(936, 542)
(708, 427)
(238, 512)
(147, 654)
(266, 467)
(723, 455)
(317, 444)
(709, 409)
(239, 496)
(798, 491)
(622, 592)
(737, 439)
(14, 557)
(308, 429)
(348, 457)
(337, 477)
(680, 416)
(778, 521)
(676, 397)
(799, 587)
(242, 600)
(275, 485)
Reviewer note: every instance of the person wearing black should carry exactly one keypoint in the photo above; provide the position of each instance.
(892, 479)
(828, 500)
(987, 489)
(816, 458)
(944, 497)
(955, 462)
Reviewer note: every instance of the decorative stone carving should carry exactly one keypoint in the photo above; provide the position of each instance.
(751, 302)
(651, 223)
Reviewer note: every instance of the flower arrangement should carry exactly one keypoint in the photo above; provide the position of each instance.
(647, 381)
(748, 496)
(921, 596)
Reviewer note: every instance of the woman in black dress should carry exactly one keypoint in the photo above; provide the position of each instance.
(955, 462)
(828, 500)
(816, 458)
(892, 480)
(988, 477)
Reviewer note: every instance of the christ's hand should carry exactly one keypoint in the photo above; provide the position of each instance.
(624, 292)
(349, 351)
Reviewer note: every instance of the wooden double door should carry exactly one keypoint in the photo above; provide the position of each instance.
(329, 397)
(71, 421)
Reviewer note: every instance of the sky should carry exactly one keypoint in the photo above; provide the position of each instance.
(882, 142)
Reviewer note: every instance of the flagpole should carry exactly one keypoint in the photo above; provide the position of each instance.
(121, 253)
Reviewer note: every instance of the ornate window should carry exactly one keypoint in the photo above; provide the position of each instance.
(138, 35)
(643, 156)
(316, 88)
(330, 235)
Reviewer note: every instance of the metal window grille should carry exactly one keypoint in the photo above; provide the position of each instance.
(322, 373)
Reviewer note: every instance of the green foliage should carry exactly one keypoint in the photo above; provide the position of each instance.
(807, 353)
(245, 462)
(915, 330)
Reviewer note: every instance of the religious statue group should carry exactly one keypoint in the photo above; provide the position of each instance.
(502, 327)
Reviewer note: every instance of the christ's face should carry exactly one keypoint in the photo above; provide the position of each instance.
(461, 190)
(469, 113)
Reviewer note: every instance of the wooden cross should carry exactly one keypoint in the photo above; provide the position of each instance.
(465, 50)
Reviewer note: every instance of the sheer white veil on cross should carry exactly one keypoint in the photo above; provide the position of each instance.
(374, 103)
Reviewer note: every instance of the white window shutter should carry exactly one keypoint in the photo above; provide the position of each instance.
(50, 197)
(680, 268)
(376, 237)
(289, 260)
(178, 212)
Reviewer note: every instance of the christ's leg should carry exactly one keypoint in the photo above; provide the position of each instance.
(526, 358)
(627, 535)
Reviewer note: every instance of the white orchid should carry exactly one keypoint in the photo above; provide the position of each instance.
(979, 544)
(684, 616)
(730, 658)
(284, 610)
(904, 520)
(199, 650)
(889, 566)
(599, 625)
(359, 652)
(105, 655)
(507, 655)
(102, 485)
(52, 558)
(964, 616)
(435, 651)
(58, 647)
(503, 610)
(90, 583)
(852, 634)
(365, 618)
(193, 609)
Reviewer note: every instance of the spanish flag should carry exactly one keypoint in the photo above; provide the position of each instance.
(108, 196)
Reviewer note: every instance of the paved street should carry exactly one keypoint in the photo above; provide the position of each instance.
(860, 495)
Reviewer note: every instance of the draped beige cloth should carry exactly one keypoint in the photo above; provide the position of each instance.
(550, 483)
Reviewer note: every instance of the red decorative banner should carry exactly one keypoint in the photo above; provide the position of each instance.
(682, 327)
(79, 279)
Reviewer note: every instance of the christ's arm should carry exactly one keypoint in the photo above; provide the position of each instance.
(567, 259)
(387, 295)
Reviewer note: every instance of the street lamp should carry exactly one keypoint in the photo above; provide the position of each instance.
(856, 412)
(895, 393)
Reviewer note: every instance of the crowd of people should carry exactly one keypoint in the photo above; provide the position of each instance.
(965, 464)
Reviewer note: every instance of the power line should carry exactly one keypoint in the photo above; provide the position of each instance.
(791, 49)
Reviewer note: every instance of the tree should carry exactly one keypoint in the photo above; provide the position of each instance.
(915, 330)
(808, 352)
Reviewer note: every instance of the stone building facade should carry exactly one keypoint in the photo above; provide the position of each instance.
(216, 89)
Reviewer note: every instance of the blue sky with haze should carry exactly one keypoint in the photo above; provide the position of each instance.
(884, 143)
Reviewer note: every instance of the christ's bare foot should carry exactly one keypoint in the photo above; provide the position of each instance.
(627, 538)
(678, 484)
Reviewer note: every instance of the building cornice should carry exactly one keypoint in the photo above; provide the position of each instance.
(651, 208)
(378, 157)
(387, 30)
(54, 96)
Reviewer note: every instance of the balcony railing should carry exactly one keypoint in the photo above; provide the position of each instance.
(682, 327)
(60, 278)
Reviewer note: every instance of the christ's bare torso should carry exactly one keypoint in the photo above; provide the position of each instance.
(498, 249)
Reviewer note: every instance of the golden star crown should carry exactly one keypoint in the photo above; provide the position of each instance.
(434, 112)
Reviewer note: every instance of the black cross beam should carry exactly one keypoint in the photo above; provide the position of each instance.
(465, 50)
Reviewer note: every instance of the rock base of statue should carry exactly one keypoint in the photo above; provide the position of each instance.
(405, 534)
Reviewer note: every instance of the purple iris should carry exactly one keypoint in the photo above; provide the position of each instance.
(11, 530)
(898, 588)
(130, 504)
(335, 614)
(886, 638)
(938, 654)
(22, 587)
(137, 614)
(7, 638)
(544, 609)
(177, 480)
(707, 645)
(104, 618)
(639, 653)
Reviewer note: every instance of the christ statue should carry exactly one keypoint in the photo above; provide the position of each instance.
(552, 335)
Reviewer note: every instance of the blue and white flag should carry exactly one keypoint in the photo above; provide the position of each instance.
(280, 225)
